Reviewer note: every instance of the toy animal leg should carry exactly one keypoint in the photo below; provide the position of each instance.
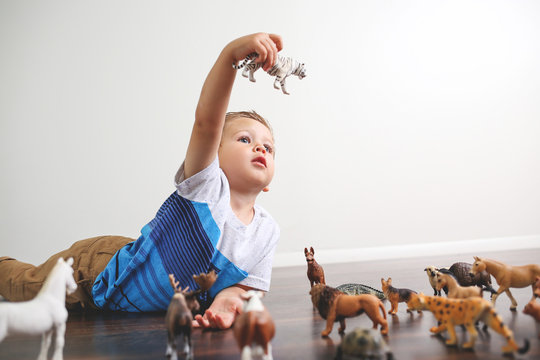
(473, 334)
(283, 88)
(171, 346)
(393, 309)
(251, 76)
(268, 352)
(188, 349)
(331, 317)
(3, 328)
(438, 329)
(514, 302)
(494, 297)
(245, 72)
(453, 339)
(343, 326)
(276, 82)
(45, 343)
(246, 352)
(59, 342)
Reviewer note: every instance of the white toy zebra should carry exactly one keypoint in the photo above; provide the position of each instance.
(284, 67)
(44, 314)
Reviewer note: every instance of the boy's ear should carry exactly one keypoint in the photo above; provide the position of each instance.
(266, 189)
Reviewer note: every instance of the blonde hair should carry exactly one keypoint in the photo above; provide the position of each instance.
(252, 114)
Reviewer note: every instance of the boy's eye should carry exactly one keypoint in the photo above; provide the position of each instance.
(244, 139)
(268, 148)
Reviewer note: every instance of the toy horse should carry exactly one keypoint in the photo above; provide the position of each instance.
(43, 314)
(507, 276)
(254, 328)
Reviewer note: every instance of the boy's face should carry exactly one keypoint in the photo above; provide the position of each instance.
(246, 154)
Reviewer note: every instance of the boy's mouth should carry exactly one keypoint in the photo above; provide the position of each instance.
(259, 160)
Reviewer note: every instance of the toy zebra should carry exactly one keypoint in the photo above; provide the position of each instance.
(284, 67)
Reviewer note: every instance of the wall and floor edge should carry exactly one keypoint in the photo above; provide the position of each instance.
(478, 246)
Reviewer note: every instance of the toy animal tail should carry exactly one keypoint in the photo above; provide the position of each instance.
(525, 347)
(383, 309)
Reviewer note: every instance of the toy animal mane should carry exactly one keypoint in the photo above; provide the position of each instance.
(447, 272)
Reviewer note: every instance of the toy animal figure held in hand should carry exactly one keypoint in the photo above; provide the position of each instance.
(284, 67)
(254, 328)
(44, 314)
(179, 315)
(359, 289)
(452, 312)
(455, 291)
(333, 305)
(507, 276)
(395, 295)
(364, 344)
(315, 272)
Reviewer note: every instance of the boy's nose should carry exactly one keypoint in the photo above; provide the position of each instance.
(260, 148)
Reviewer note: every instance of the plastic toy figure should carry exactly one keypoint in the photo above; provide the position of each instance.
(363, 344)
(533, 309)
(507, 276)
(333, 305)
(395, 295)
(431, 272)
(359, 289)
(455, 291)
(179, 317)
(462, 272)
(254, 327)
(44, 314)
(315, 272)
(452, 312)
(284, 67)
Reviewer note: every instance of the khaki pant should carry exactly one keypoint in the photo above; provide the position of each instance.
(21, 281)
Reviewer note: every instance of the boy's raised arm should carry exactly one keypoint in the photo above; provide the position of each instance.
(215, 95)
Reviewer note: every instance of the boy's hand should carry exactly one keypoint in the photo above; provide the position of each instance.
(266, 45)
(222, 313)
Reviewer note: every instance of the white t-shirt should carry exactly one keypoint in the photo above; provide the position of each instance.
(249, 247)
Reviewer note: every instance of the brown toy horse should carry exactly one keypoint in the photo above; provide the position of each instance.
(507, 276)
(315, 272)
(254, 327)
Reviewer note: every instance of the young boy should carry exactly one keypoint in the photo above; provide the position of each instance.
(210, 222)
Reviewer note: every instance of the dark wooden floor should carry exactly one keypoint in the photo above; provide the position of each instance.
(143, 336)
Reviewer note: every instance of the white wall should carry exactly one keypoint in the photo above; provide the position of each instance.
(419, 121)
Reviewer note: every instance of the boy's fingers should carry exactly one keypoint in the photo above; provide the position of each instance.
(211, 319)
(272, 53)
(220, 322)
(200, 321)
(263, 53)
(278, 41)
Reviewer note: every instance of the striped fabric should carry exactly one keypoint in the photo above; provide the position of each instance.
(180, 240)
